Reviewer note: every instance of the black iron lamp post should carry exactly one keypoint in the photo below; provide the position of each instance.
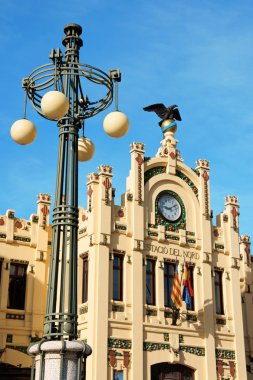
(69, 105)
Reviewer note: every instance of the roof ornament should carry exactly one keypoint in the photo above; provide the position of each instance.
(167, 114)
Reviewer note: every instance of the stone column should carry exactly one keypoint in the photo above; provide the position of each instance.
(232, 210)
(40, 230)
(247, 294)
(207, 281)
(93, 195)
(58, 360)
(137, 217)
(43, 212)
(99, 231)
(10, 215)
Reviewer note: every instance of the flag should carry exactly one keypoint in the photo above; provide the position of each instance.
(176, 295)
(187, 290)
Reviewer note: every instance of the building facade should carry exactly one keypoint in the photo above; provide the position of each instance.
(128, 257)
(24, 263)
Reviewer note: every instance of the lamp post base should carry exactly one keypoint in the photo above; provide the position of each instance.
(59, 360)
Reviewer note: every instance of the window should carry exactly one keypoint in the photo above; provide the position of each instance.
(1, 265)
(17, 286)
(191, 270)
(118, 277)
(218, 292)
(150, 282)
(169, 273)
(85, 280)
(117, 375)
(9, 338)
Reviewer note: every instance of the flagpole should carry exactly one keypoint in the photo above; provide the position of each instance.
(182, 272)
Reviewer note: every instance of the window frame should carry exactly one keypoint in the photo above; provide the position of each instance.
(151, 274)
(1, 268)
(15, 278)
(117, 269)
(85, 279)
(218, 290)
(168, 281)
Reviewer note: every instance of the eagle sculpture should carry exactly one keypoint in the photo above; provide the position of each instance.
(163, 112)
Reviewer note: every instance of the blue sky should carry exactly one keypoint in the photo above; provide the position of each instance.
(197, 54)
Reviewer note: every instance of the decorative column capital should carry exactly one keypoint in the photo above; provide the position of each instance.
(105, 170)
(244, 239)
(10, 214)
(232, 207)
(92, 177)
(44, 198)
(231, 199)
(43, 210)
(137, 146)
(105, 175)
(204, 164)
(244, 242)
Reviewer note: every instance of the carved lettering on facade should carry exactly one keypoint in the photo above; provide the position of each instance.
(176, 252)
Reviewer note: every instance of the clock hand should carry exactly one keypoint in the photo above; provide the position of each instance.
(168, 208)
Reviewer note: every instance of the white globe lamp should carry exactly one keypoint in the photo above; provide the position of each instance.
(54, 105)
(23, 132)
(86, 149)
(116, 124)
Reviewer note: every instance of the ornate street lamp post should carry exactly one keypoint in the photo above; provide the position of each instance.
(69, 106)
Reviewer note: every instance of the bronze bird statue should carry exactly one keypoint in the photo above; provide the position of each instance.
(163, 112)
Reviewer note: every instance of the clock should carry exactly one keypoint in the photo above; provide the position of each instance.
(169, 207)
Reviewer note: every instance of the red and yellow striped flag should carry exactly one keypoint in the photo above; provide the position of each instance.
(176, 294)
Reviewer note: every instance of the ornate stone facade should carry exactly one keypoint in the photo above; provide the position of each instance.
(127, 259)
(24, 260)
(210, 336)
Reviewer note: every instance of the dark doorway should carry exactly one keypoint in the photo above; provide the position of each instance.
(166, 371)
(8, 372)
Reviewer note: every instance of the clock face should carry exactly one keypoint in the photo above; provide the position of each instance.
(169, 207)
